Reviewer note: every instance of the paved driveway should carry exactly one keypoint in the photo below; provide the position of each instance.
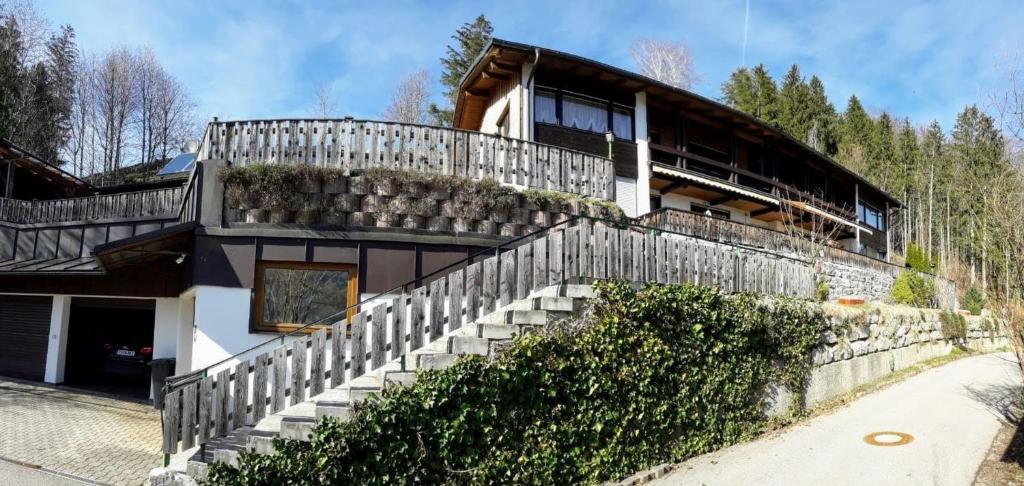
(95, 438)
(953, 413)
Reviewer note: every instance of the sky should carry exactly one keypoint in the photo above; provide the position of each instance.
(923, 59)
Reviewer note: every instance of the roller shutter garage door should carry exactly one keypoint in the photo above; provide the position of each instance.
(24, 328)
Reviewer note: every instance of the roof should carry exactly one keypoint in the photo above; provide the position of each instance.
(653, 86)
(9, 151)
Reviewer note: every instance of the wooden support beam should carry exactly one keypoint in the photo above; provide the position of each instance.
(494, 67)
(499, 77)
(9, 180)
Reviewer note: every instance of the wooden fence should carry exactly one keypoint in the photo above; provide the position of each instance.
(731, 232)
(361, 144)
(156, 203)
(226, 399)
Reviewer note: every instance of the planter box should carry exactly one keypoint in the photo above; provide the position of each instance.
(412, 221)
(374, 203)
(463, 225)
(499, 216)
(530, 205)
(358, 185)
(439, 223)
(530, 229)
(307, 216)
(448, 208)
(426, 207)
(335, 219)
(336, 185)
(386, 220)
(361, 219)
(540, 218)
(416, 190)
(282, 216)
(387, 188)
(486, 227)
(559, 218)
(257, 216)
(519, 216)
(311, 186)
(439, 194)
(509, 229)
(347, 203)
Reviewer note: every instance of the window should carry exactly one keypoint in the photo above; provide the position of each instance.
(871, 216)
(544, 106)
(655, 202)
(707, 211)
(622, 122)
(584, 114)
(291, 294)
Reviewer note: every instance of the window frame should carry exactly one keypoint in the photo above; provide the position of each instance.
(863, 211)
(256, 321)
(701, 209)
(609, 108)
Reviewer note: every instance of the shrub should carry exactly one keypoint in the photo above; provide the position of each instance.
(821, 291)
(954, 325)
(974, 299)
(653, 375)
(913, 288)
(918, 259)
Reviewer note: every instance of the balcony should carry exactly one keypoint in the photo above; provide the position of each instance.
(161, 203)
(362, 144)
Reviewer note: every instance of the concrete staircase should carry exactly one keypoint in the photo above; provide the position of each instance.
(483, 337)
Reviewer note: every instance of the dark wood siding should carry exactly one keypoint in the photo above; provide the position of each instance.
(591, 143)
(24, 328)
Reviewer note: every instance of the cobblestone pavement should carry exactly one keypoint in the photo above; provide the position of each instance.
(96, 438)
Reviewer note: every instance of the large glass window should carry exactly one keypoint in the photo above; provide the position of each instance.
(871, 216)
(622, 122)
(584, 114)
(544, 106)
(289, 295)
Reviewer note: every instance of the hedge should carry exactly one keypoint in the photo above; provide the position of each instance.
(648, 376)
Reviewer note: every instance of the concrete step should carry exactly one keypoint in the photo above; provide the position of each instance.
(496, 331)
(339, 410)
(261, 444)
(554, 304)
(399, 378)
(435, 361)
(529, 317)
(469, 345)
(298, 428)
(576, 291)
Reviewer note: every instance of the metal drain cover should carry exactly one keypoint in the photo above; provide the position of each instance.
(888, 438)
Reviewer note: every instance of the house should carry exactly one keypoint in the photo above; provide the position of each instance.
(671, 148)
(185, 266)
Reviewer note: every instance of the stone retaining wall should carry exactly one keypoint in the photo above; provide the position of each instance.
(851, 281)
(867, 342)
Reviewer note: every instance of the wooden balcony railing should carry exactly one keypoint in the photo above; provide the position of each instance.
(740, 234)
(156, 203)
(696, 163)
(360, 144)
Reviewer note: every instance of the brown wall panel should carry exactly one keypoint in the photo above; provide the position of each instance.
(386, 266)
(592, 143)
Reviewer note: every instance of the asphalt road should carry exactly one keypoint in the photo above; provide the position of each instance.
(953, 413)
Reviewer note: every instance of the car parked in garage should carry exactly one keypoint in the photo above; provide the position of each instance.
(127, 359)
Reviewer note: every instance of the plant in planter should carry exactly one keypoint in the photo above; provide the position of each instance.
(414, 184)
(335, 214)
(334, 179)
(440, 187)
(385, 182)
(309, 213)
(310, 178)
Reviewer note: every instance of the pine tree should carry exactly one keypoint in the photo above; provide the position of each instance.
(766, 96)
(470, 40)
(738, 91)
(822, 132)
(855, 129)
(882, 154)
(794, 105)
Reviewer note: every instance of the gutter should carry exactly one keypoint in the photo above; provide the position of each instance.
(528, 90)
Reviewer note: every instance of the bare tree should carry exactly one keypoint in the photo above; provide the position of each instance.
(34, 27)
(668, 62)
(323, 101)
(115, 102)
(410, 102)
(174, 119)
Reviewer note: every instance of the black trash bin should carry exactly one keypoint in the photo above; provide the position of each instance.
(160, 369)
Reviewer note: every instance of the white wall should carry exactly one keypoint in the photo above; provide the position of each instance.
(506, 95)
(221, 324)
(56, 351)
(186, 333)
(643, 155)
(165, 328)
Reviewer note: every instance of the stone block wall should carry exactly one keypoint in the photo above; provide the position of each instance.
(852, 281)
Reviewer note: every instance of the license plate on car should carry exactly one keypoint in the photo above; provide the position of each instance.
(125, 352)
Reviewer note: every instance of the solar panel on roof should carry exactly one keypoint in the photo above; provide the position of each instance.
(180, 163)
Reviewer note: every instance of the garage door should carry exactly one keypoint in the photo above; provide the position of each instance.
(24, 327)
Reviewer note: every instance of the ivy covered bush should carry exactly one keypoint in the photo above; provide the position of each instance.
(974, 299)
(913, 288)
(648, 376)
(918, 259)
